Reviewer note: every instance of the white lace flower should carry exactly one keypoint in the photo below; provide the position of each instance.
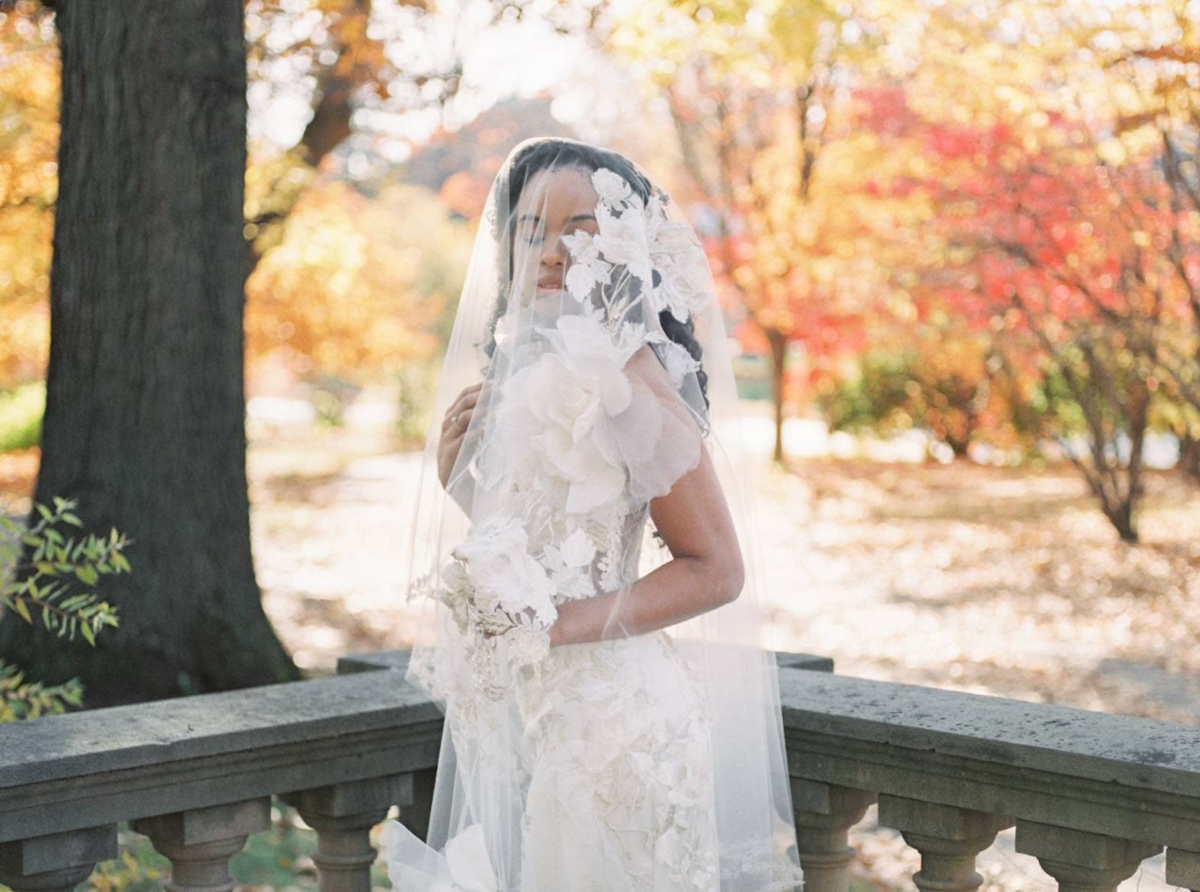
(611, 187)
(577, 550)
(455, 592)
(526, 645)
(623, 241)
(503, 576)
(685, 286)
(569, 565)
(677, 361)
(587, 269)
(669, 848)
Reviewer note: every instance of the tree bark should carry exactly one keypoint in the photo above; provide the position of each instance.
(778, 343)
(145, 408)
(1189, 456)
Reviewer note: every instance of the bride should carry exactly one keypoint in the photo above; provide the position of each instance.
(591, 627)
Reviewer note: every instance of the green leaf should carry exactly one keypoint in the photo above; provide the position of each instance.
(72, 520)
(23, 610)
(44, 511)
(87, 575)
(86, 629)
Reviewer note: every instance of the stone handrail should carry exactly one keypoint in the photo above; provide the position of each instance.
(1091, 794)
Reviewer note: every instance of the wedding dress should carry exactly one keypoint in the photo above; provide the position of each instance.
(641, 762)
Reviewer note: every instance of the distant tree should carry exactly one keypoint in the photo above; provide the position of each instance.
(28, 181)
(763, 136)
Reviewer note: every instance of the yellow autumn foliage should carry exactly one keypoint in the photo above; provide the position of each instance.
(357, 286)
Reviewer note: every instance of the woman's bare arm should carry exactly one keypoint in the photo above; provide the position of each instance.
(705, 571)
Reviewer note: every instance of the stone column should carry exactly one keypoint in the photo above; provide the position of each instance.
(343, 815)
(57, 862)
(948, 838)
(1082, 861)
(415, 814)
(200, 841)
(824, 815)
(1183, 869)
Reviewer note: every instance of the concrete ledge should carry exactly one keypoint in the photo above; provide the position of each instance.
(1124, 776)
(1120, 776)
(95, 767)
(398, 659)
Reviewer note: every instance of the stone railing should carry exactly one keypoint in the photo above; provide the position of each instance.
(1091, 794)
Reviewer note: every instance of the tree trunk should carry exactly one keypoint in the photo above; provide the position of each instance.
(1189, 456)
(778, 357)
(145, 406)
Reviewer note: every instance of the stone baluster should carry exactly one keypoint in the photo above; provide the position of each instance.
(948, 838)
(343, 815)
(200, 841)
(415, 815)
(57, 862)
(1082, 861)
(824, 815)
(1183, 869)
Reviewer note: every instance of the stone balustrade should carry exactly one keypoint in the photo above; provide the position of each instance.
(1091, 794)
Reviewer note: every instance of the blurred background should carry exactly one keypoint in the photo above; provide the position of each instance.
(958, 248)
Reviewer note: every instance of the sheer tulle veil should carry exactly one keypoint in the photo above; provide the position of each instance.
(599, 395)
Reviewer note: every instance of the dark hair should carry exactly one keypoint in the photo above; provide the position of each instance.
(541, 154)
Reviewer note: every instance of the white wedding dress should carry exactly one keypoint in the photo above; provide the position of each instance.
(640, 762)
(616, 750)
(612, 764)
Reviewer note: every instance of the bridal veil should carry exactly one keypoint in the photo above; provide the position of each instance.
(601, 391)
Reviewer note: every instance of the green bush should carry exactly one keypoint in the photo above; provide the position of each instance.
(21, 413)
(40, 570)
(878, 398)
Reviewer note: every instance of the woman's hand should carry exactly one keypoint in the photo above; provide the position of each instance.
(454, 429)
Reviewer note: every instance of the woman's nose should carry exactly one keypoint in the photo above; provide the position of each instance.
(554, 253)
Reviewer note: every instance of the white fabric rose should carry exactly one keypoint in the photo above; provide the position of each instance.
(563, 404)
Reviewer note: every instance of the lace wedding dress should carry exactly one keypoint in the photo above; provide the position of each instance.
(640, 762)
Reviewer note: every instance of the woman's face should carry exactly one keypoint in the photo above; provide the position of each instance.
(553, 204)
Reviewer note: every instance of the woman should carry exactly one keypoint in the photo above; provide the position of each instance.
(612, 721)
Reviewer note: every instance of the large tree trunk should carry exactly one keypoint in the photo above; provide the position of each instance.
(145, 405)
